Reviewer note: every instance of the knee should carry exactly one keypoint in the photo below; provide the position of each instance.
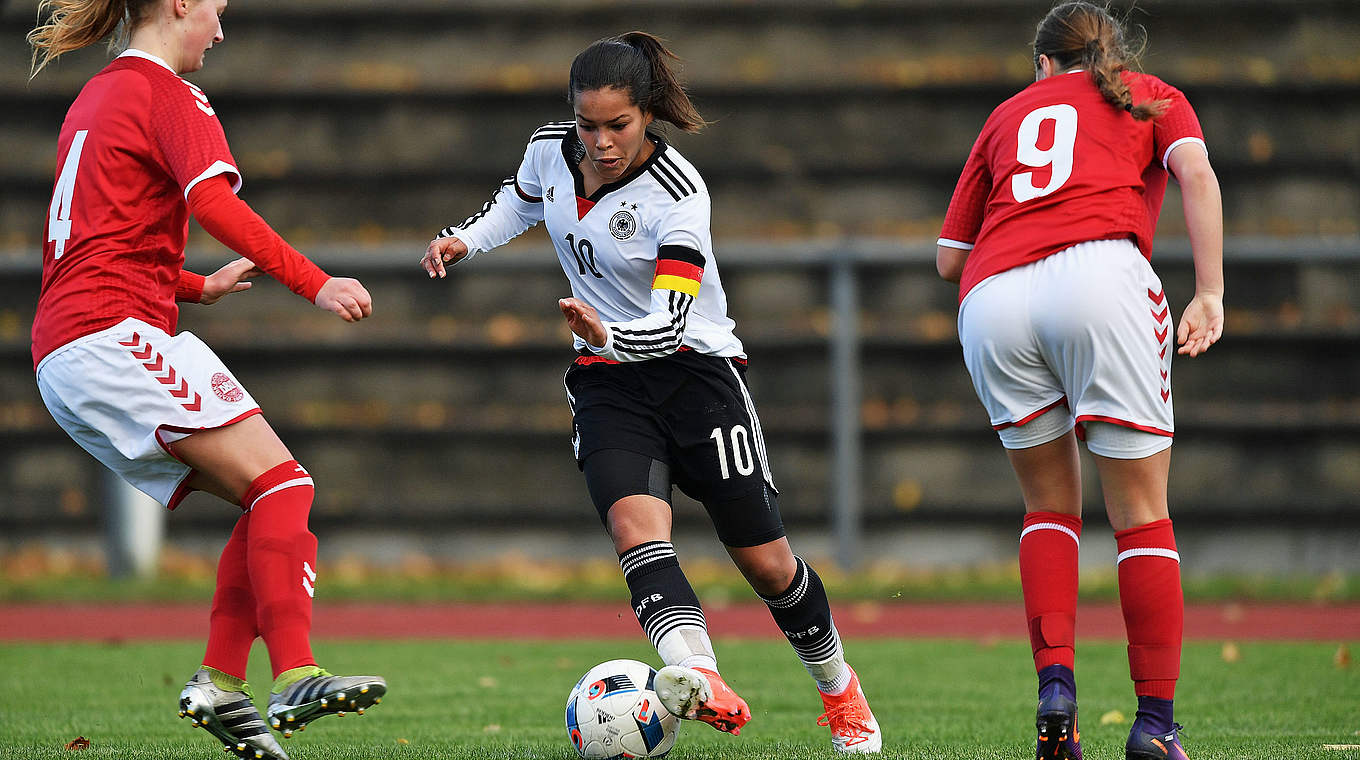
(769, 576)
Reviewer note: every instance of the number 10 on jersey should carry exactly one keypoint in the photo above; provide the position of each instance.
(741, 451)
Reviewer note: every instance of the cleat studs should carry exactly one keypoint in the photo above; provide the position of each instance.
(323, 702)
(288, 734)
(240, 746)
(274, 722)
(363, 690)
(340, 696)
(340, 713)
(360, 711)
(376, 700)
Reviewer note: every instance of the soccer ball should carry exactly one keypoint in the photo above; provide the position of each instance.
(612, 712)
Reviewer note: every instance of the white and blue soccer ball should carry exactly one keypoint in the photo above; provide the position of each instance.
(612, 712)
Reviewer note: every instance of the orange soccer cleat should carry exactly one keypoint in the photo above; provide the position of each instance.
(701, 694)
(852, 723)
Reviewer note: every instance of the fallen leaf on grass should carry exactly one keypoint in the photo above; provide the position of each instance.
(78, 743)
(1342, 658)
(1230, 652)
(1113, 718)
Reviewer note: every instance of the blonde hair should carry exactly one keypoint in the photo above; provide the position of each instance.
(1084, 34)
(75, 24)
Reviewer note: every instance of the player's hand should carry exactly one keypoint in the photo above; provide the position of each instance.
(231, 278)
(1201, 324)
(442, 251)
(584, 321)
(346, 298)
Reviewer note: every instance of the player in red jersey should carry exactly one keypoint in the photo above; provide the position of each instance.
(1066, 332)
(140, 150)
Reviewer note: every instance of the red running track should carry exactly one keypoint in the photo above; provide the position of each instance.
(119, 622)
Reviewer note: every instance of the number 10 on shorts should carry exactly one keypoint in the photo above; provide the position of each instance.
(741, 451)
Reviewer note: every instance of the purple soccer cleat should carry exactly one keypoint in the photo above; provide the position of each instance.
(1145, 746)
(1056, 719)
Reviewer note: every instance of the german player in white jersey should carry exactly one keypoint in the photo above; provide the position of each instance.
(139, 151)
(658, 390)
(1067, 332)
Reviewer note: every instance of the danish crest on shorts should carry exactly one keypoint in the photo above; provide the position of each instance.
(226, 388)
(623, 224)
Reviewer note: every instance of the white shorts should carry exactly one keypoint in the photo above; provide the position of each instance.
(125, 393)
(1088, 329)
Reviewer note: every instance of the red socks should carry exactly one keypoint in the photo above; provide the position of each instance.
(1153, 605)
(231, 626)
(281, 558)
(1049, 544)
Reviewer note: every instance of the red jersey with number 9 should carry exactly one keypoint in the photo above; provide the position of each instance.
(1058, 165)
(135, 141)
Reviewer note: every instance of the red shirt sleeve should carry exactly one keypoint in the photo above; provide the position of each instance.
(963, 220)
(184, 127)
(189, 289)
(231, 221)
(1177, 124)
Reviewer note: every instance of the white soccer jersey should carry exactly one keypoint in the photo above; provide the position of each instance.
(638, 250)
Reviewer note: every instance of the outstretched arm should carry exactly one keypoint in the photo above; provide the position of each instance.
(236, 225)
(1202, 322)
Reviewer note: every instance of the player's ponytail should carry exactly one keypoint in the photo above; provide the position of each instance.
(75, 24)
(1083, 34)
(639, 63)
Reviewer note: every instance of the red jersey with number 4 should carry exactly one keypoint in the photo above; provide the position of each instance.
(1057, 165)
(135, 141)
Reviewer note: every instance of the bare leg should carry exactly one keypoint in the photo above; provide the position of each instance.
(638, 519)
(1050, 476)
(769, 567)
(227, 460)
(1135, 489)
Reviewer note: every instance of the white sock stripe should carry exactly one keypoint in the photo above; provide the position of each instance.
(1051, 526)
(796, 595)
(820, 651)
(1149, 552)
(658, 627)
(639, 557)
(687, 611)
(286, 484)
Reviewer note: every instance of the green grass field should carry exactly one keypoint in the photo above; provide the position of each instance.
(960, 700)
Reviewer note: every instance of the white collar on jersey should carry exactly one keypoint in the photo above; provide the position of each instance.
(135, 53)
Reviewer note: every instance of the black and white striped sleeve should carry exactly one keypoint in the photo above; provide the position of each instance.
(516, 206)
(675, 285)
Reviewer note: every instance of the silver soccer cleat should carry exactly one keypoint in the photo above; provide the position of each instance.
(231, 717)
(324, 694)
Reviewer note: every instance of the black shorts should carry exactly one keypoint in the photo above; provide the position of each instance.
(688, 420)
